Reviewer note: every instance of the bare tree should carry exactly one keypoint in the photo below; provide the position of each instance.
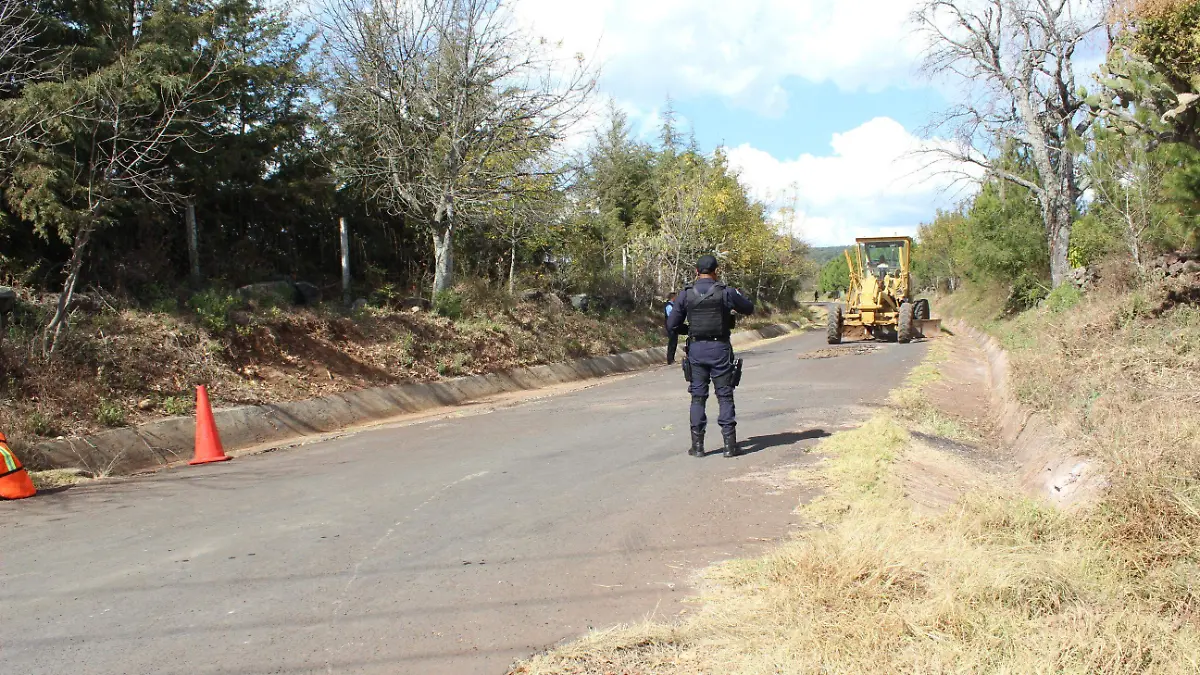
(680, 202)
(19, 30)
(127, 142)
(20, 64)
(1017, 59)
(436, 96)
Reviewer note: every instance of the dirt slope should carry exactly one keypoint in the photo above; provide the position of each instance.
(123, 365)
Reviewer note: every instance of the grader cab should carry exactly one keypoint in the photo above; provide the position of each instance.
(880, 302)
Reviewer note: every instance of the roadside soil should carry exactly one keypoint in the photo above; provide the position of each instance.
(955, 446)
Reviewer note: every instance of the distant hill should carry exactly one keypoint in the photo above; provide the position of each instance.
(823, 254)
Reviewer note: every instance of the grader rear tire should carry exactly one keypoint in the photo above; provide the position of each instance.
(833, 331)
(907, 328)
(921, 309)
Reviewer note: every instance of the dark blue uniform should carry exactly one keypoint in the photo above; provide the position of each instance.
(672, 335)
(711, 357)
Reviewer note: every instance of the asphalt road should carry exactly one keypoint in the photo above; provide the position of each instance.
(447, 545)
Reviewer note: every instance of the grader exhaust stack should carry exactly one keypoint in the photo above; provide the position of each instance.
(880, 301)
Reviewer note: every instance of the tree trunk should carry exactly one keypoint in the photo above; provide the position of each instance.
(193, 244)
(1058, 225)
(1132, 233)
(675, 266)
(512, 269)
(443, 256)
(61, 311)
(344, 234)
(762, 267)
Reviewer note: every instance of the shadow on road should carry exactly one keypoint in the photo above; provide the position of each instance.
(42, 492)
(759, 443)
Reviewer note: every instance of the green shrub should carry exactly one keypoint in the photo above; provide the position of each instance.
(164, 306)
(1063, 298)
(1093, 238)
(42, 425)
(177, 405)
(1027, 291)
(387, 294)
(159, 298)
(448, 304)
(212, 308)
(110, 413)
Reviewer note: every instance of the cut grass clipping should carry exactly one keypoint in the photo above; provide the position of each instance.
(994, 584)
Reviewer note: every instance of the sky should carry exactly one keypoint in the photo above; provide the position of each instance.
(820, 103)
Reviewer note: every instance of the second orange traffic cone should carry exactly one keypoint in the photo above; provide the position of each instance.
(208, 441)
(15, 482)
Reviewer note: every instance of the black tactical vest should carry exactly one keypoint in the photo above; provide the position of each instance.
(706, 313)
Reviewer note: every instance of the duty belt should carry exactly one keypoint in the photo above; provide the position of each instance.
(710, 339)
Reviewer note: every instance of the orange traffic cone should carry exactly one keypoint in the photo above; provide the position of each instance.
(15, 482)
(208, 441)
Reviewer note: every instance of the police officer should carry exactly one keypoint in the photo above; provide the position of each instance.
(707, 305)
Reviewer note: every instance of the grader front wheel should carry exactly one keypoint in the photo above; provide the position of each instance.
(833, 332)
(907, 328)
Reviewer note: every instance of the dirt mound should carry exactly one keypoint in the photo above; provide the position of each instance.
(844, 350)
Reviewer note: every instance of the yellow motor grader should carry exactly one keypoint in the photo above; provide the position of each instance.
(880, 301)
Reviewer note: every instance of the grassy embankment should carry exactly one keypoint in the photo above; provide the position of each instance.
(994, 582)
(123, 364)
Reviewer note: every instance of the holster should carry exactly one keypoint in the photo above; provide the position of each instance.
(732, 378)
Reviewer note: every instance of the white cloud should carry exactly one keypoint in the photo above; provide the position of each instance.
(741, 51)
(870, 182)
(874, 183)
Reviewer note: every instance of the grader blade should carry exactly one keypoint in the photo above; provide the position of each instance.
(930, 328)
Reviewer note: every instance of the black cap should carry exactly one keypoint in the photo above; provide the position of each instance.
(707, 264)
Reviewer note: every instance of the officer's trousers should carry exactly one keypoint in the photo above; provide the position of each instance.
(712, 361)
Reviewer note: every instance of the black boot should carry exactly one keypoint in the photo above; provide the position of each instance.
(731, 446)
(697, 444)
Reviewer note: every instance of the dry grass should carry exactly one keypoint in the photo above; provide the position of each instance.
(996, 583)
(55, 478)
(1123, 377)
